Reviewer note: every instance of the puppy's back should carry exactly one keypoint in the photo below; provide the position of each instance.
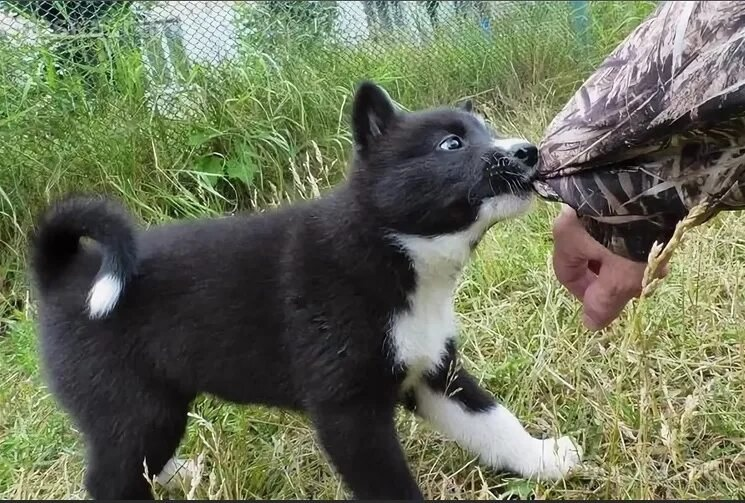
(202, 310)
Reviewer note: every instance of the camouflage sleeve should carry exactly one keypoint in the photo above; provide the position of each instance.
(656, 130)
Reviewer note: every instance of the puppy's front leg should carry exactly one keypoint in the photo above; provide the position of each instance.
(459, 408)
(362, 443)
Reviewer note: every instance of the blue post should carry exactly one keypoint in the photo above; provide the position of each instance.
(580, 13)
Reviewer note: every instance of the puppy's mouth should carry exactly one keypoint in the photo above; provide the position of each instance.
(508, 175)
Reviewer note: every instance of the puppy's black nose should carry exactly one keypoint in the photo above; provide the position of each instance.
(527, 153)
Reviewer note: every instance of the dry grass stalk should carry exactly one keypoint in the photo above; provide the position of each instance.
(659, 256)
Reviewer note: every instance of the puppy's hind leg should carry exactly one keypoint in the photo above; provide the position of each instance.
(120, 444)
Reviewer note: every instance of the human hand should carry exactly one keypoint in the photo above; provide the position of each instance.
(603, 281)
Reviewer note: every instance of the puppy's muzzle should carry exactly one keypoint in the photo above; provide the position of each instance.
(514, 159)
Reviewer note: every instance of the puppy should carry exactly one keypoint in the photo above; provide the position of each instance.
(341, 307)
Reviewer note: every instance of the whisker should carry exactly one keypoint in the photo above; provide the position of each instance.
(468, 195)
(509, 185)
(491, 186)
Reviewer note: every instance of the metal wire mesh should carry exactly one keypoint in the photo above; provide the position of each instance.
(172, 38)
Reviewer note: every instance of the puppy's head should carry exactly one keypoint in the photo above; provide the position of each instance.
(437, 171)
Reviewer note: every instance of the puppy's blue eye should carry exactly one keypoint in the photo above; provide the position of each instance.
(451, 143)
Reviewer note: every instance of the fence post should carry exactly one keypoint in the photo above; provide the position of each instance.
(580, 14)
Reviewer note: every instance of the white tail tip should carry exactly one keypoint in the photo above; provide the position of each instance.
(103, 296)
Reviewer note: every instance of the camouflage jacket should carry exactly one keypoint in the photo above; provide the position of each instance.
(656, 130)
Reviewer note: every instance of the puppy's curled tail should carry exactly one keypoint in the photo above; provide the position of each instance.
(56, 240)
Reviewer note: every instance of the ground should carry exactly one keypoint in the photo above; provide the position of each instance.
(657, 400)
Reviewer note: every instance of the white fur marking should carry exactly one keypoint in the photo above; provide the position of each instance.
(508, 144)
(497, 437)
(502, 207)
(420, 334)
(104, 295)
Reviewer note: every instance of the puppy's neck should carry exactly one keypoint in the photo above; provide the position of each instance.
(441, 259)
(437, 259)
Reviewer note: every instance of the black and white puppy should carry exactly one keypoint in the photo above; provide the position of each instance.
(341, 307)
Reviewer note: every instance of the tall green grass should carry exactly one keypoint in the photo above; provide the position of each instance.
(247, 125)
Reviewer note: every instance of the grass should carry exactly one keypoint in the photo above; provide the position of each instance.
(680, 437)
(657, 400)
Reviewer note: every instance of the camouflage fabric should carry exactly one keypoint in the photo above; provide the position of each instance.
(657, 129)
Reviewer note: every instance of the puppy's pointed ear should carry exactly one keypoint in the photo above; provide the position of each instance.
(466, 105)
(373, 113)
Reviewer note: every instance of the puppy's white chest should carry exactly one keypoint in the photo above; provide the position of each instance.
(420, 335)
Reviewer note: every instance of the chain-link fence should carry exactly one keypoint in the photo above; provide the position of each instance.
(173, 38)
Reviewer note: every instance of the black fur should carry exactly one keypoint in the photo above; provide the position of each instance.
(289, 308)
(456, 383)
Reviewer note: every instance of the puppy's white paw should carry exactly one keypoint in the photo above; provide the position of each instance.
(554, 459)
(178, 473)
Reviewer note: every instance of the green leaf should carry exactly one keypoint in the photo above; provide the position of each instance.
(240, 170)
(520, 489)
(242, 167)
(210, 169)
(202, 137)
